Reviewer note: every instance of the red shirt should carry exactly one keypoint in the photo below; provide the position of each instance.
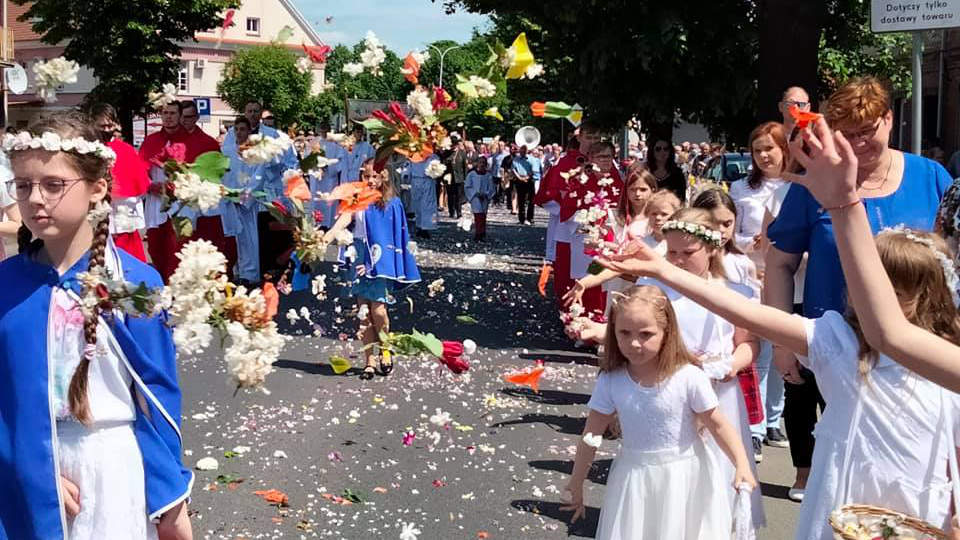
(156, 142)
(199, 143)
(554, 186)
(129, 171)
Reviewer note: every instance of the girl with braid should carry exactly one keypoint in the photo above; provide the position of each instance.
(89, 401)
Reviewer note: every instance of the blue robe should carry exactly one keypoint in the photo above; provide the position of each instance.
(385, 252)
(333, 176)
(272, 175)
(31, 506)
(361, 152)
(424, 194)
(240, 219)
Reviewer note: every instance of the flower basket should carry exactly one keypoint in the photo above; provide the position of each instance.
(856, 521)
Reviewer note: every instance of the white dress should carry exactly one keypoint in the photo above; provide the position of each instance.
(751, 206)
(104, 460)
(710, 337)
(664, 482)
(899, 458)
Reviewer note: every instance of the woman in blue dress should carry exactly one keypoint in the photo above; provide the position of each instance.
(380, 263)
(896, 188)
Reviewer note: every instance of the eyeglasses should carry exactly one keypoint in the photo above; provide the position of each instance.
(799, 104)
(51, 189)
(863, 134)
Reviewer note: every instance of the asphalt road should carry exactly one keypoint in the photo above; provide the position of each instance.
(493, 471)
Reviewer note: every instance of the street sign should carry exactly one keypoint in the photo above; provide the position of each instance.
(913, 15)
(203, 108)
(16, 79)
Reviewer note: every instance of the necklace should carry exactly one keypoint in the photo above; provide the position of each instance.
(886, 176)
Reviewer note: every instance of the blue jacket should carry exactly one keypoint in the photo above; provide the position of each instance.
(31, 506)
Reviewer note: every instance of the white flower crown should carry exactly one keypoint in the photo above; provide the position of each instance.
(949, 271)
(710, 236)
(52, 142)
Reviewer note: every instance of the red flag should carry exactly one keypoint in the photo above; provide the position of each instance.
(227, 23)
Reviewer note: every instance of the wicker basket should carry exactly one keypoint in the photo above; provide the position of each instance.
(922, 528)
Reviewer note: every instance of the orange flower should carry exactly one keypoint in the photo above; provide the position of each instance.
(411, 69)
(355, 196)
(526, 378)
(273, 496)
(272, 297)
(538, 108)
(802, 118)
(416, 156)
(297, 189)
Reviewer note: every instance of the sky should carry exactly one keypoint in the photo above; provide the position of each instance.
(402, 25)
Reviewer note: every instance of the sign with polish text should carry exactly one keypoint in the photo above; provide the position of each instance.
(913, 15)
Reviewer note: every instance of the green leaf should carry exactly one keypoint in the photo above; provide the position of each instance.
(340, 364)
(466, 87)
(466, 319)
(183, 227)
(230, 454)
(447, 115)
(309, 163)
(375, 125)
(430, 343)
(229, 479)
(211, 166)
(355, 497)
(594, 268)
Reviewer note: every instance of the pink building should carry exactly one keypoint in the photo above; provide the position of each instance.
(256, 23)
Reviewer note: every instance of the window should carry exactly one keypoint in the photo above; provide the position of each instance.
(253, 25)
(183, 79)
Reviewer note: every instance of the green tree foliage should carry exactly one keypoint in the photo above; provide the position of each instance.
(269, 75)
(131, 45)
(722, 63)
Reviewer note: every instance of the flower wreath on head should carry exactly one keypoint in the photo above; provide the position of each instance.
(949, 271)
(710, 236)
(53, 142)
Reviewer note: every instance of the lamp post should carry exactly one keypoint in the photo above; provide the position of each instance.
(442, 54)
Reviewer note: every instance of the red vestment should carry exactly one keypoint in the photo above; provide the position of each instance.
(130, 179)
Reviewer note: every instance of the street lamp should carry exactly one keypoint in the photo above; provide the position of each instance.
(442, 54)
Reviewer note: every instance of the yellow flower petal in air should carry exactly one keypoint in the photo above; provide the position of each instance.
(493, 112)
(520, 57)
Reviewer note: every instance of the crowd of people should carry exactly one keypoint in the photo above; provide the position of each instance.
(720, 312)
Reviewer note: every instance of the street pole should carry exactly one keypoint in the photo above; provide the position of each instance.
(442, 54)
(917, 104)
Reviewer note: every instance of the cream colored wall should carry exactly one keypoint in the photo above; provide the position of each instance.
(273, 17)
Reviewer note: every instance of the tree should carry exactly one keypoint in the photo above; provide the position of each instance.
(624, 58)
(131, 45)
(722, 63)
(269, 75)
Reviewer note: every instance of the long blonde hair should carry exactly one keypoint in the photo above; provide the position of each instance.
(673, 353)
(921, 285)
(699, 216)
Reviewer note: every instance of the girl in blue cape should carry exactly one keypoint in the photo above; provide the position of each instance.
(381, 262)
(89, 402)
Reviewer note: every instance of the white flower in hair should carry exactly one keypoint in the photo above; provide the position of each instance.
(50, 141)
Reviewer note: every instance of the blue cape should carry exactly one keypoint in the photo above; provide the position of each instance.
(387, 254)
(31, 505)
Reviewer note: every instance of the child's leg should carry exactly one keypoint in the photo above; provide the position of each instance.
(368, 334)
(379, 317)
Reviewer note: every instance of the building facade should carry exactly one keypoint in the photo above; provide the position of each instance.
(255, 23)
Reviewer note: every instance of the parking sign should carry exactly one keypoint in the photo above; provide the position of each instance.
(203, 108)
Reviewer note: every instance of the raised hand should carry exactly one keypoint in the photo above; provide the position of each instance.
(636, 259)
(831, 166)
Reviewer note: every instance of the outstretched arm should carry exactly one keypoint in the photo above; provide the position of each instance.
(831, 169)
(342, 222)
(765, 321)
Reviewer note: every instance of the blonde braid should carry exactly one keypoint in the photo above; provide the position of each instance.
(77, 393)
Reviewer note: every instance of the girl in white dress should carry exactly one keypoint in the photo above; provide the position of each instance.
(724, 349)
(664, 483)
(899, 426)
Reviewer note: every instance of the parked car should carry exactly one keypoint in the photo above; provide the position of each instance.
(729, 167)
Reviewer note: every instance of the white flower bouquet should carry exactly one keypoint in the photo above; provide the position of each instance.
(50, 75)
